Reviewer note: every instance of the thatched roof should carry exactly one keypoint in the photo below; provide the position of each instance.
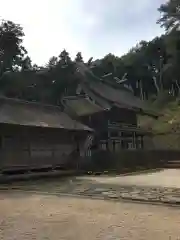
(118, 96)
(81, 106)
(17, 112)
(110, 94)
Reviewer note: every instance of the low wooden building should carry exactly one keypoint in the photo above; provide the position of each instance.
(111, 110)
(33, 135)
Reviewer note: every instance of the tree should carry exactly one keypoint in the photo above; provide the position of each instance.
(170, 20)
(12, 53)
(79, 57)
(64, 58)
(109, 63)
(170, 15)
(53, 61)
(26, 63)
(150, 67)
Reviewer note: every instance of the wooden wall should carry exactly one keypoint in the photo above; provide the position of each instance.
(97, 121)
(125, 116)
(36, 147)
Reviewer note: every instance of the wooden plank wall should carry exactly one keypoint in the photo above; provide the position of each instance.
(35, 147)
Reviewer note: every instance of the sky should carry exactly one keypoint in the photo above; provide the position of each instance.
(93, 27)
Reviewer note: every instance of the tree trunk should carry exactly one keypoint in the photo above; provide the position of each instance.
(156, 85)
(177, 86)
(141, 90)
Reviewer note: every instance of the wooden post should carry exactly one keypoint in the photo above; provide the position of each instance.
(109, 139)
(135, 138)
(120, 140)
(142, 142)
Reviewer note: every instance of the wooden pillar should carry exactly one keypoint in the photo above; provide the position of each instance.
(109, 140)
(114, 145)
(122, 141)
(134, 140)
(142, 142)
(78, 156)
(29, 147)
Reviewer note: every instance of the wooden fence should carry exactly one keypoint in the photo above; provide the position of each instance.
(131, 160)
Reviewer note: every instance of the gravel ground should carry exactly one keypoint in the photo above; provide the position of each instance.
(167, 178)
(156, 186)
(25, 216)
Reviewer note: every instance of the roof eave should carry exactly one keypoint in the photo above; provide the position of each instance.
(65, 105)
(149, 113)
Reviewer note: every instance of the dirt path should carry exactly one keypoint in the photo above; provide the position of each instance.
(24, 217)
(156, 186)
(168, 178)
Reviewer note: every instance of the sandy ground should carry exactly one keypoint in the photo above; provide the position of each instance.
(25, 216)
(164, 178)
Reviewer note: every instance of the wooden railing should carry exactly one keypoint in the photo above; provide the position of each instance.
(120, 125)
(126, 127)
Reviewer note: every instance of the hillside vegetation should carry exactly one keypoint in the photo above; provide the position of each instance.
(166, 129)
(149, 68)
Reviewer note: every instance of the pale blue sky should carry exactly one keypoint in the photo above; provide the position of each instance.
(94, 27)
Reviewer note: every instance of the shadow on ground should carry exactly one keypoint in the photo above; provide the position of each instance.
(73, 183)
(138, 187)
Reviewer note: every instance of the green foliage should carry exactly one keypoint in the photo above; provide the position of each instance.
(150, 69)
(162, 100)
(12, 53)
(64, 58)
(79, 57)
(170, 15)
(168, 122)
(53, 61)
